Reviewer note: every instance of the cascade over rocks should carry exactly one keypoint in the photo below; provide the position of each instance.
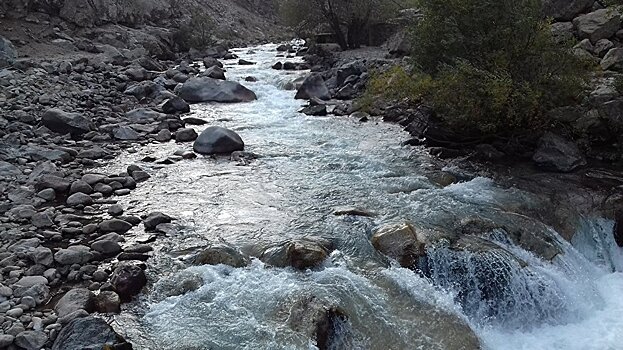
(218, 140)
(400, 242)
(203, 89)
(318, 320)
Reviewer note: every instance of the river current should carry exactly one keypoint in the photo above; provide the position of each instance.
(308, 166)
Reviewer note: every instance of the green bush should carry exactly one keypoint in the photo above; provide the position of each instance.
(196, 32)
(489, 66)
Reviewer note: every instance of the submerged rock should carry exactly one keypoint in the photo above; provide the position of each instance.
(218, 140)
(204, 89)
(128, 280)
(222, 254)
(318, 320)
(400, 242)
(299, 254)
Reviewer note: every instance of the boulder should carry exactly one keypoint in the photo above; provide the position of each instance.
(88, 333)
(79, 198)
(63, 122)
(125, 133)
(175, 105)
(31, 340)
(313, 87)
(558, 154)
(218, 140)
(613, 60)
(221, 254)
(214, 72)
(114, 225)
(74, 300)
(400, 242)
(73, 255)
(128, 280)
(600, 24)
(8, 54)
(565, 10)
(185, 135)
(318, 320)
(209, 62)
(300, 254)
(154, 219)
(203, 89)
(108, 302)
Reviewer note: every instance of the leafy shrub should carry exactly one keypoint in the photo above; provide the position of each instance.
(196, 32)
(489, 66)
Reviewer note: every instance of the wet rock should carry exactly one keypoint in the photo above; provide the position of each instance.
(115, 225)
(315, 110)
(108, 302)
(354, 211)
(31, 340)
(218, 140)
(243, 62)
(250, 79)
(154, 219)
(194, 121)
(400, 242)
(175, 105)
(77, 199)
(557, 154)
(214, 73)
(299, 254)
(278, 66)
(8, 54)
(222, 254)
(89, 333)
(205, 89)
(318, 320)
(115, 210)
(128, 280)
(74, 300)
(313, 87)
(66, 123)
(73, 255)
(186, 135)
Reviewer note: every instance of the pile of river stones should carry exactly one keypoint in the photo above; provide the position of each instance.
(65, 251)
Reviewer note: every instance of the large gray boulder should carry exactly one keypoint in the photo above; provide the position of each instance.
(205, 89)
(8, 54)
(558, 154)
(313, 87)
(63, 122)
(565, 10)
(218, 140)
(74, 300)
(613, 60)
(597, 25)
(88, 333)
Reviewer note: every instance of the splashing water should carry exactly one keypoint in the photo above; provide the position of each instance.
(510, 297)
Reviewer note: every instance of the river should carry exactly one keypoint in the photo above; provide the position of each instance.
(308, 167)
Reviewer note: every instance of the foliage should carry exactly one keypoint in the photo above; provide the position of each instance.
(491, 66)
(195, 32)
(348, 19)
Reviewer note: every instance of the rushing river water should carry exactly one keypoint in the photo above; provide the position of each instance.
(309, 166)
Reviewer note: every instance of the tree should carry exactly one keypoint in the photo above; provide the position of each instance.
(348, 19)
(492, 66)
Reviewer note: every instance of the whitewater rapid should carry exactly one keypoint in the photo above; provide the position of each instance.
(309, 166)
